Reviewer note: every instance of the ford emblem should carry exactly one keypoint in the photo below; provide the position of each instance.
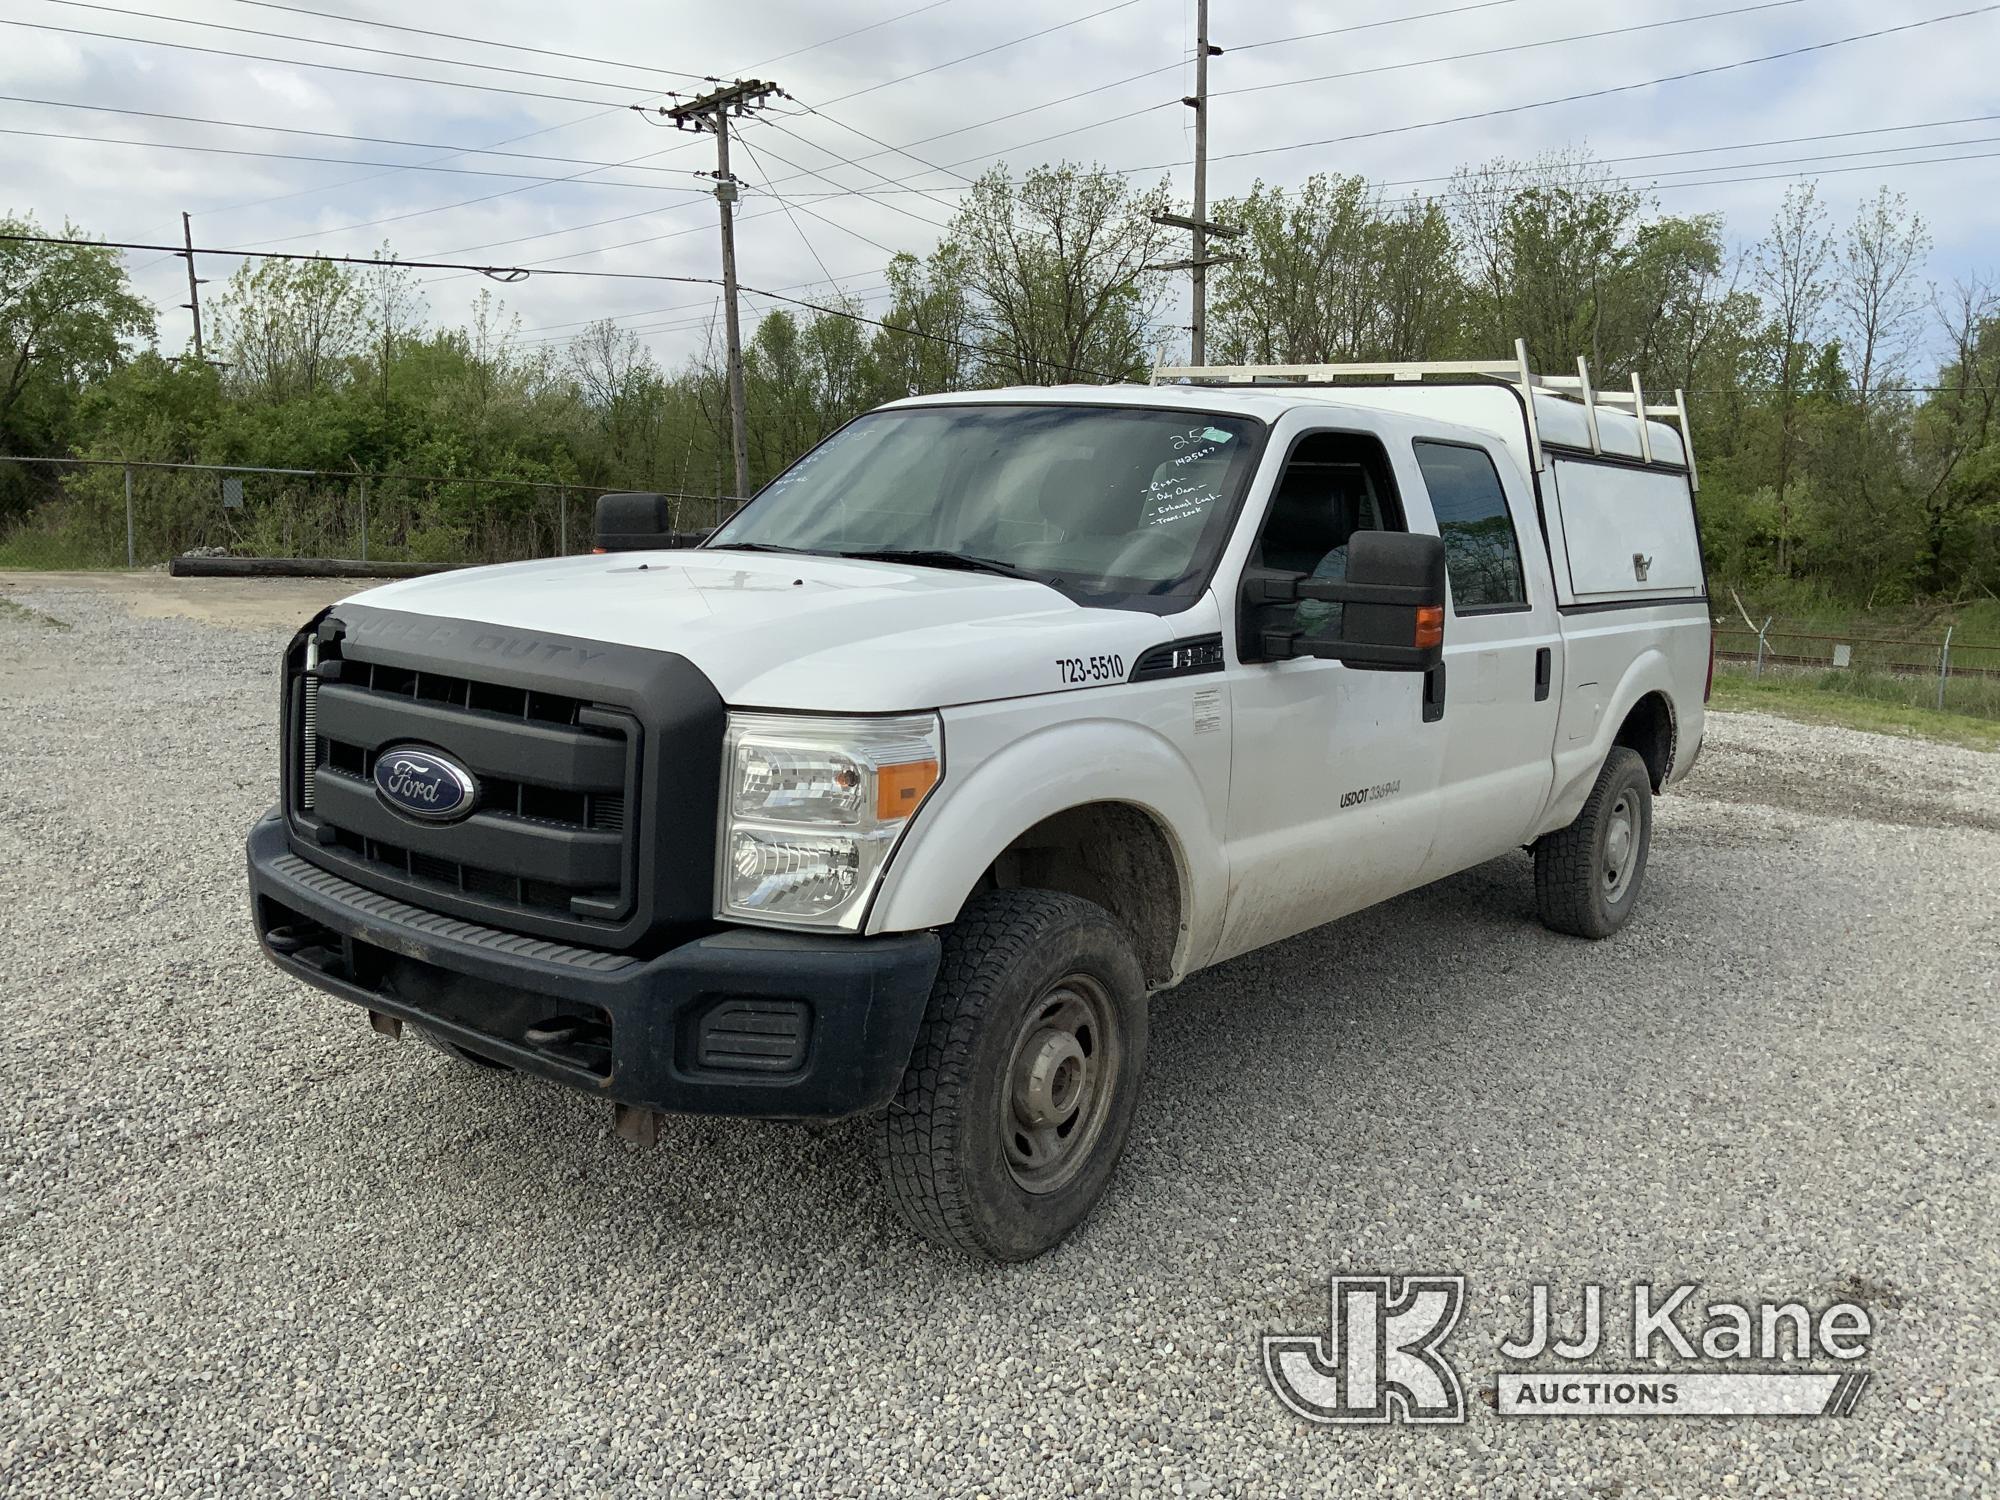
(423, 783)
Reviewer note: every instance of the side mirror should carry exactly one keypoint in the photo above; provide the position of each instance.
(1392, 605)
(633, 522)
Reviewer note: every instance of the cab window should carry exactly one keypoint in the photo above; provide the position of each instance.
(1333, 485)
(1482, 554)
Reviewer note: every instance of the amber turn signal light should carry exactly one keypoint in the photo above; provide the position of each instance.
(900, 789)
(1430, 626)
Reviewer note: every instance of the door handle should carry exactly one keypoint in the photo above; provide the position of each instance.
(1544, 665)
(1434, 694)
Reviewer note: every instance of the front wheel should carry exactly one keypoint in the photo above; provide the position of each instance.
(1021, 1088)
(1587, 876)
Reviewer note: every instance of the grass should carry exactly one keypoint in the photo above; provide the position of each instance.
(1805, 698)
(11, 610)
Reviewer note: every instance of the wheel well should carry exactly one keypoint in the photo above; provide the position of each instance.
(1649, 729)
(1110, 853)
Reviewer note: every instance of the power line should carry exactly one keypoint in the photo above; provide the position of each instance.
(343, 161)
(453, 36)
(331, 135)
(293, 62)
(1554, 41)
(566, 124)
(985, 51)
(1621, 88)
(857, 31)
(313, 41)
(811, 249)
(1792, 140)
(821, 171)
(1428, 15)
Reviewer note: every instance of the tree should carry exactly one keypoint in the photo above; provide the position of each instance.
(1791, 270)
(1329, 274)
(285, 327)
(928, 343)
(67, 312)
(1058, 265)
(1876, 290)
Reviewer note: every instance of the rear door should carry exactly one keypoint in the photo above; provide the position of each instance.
(1502, 654)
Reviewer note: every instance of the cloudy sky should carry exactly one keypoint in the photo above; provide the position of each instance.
(895, 105)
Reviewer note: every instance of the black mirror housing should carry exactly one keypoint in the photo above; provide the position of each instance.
(1392, 606)
(633, 521)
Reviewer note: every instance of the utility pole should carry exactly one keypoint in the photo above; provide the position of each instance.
(194, 286)
(711, 112)
(1199, 225)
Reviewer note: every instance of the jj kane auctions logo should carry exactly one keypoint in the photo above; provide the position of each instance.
(1382, 1358)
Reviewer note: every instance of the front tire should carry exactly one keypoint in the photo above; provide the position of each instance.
(1587, 876)
(1020, 1091)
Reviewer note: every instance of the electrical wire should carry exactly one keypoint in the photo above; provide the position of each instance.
(811, 249)
(452, 36)
(293, 62)
(1554, 41)
(332, 135)
(313, 41)
(984, 51)
(1620, 88)
(343, 161)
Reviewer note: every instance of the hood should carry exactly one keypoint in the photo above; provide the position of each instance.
(773, 630)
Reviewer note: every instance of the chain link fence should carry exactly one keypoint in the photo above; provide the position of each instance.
(107, 513)
(1935, 668)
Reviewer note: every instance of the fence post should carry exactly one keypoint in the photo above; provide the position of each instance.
(1944, 665)
(562, 521)
(131, 559)
(364, 518)
(1759, 673)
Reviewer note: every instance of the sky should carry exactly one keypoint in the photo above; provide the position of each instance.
(1386, 94)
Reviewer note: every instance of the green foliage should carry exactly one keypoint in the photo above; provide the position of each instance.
(1824, 473)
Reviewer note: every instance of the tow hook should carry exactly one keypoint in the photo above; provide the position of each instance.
(639, 1126)
(389, 1026)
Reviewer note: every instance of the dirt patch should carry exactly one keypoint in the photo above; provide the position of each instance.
(236, 603)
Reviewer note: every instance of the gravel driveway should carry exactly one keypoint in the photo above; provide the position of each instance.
(249, 1248)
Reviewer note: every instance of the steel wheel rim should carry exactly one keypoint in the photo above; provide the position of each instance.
(1056, 1093)
(1621, 846)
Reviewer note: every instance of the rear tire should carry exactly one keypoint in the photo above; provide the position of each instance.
(1587, 876)
(1020, 1091)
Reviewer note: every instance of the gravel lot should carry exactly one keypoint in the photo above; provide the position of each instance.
(250, 1248)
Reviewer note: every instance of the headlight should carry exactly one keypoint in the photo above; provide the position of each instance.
(812, 807)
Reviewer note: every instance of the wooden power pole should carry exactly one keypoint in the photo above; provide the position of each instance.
(1199, 224)
(711, 112)
(194, 286)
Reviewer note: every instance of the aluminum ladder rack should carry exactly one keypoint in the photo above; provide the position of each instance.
(1517, 372)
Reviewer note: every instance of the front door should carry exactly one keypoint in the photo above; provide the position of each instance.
(1334, 770)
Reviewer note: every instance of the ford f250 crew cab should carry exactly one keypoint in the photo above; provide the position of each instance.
(993, 715)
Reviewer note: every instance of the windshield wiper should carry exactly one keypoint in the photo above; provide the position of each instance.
(757, 547)
(931, 557)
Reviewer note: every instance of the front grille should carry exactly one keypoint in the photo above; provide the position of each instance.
(549, 836)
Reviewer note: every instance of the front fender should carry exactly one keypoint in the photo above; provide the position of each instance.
(973, 817)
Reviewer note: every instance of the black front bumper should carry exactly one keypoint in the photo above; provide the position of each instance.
(742, 1022)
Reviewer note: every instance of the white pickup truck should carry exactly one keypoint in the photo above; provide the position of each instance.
(993, 715)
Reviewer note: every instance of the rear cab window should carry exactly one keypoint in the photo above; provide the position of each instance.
(1482, 546)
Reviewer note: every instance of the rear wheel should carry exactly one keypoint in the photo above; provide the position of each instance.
(1587, 876)
(1021, 1088)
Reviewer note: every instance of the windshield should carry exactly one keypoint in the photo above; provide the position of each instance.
(1117, 504)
